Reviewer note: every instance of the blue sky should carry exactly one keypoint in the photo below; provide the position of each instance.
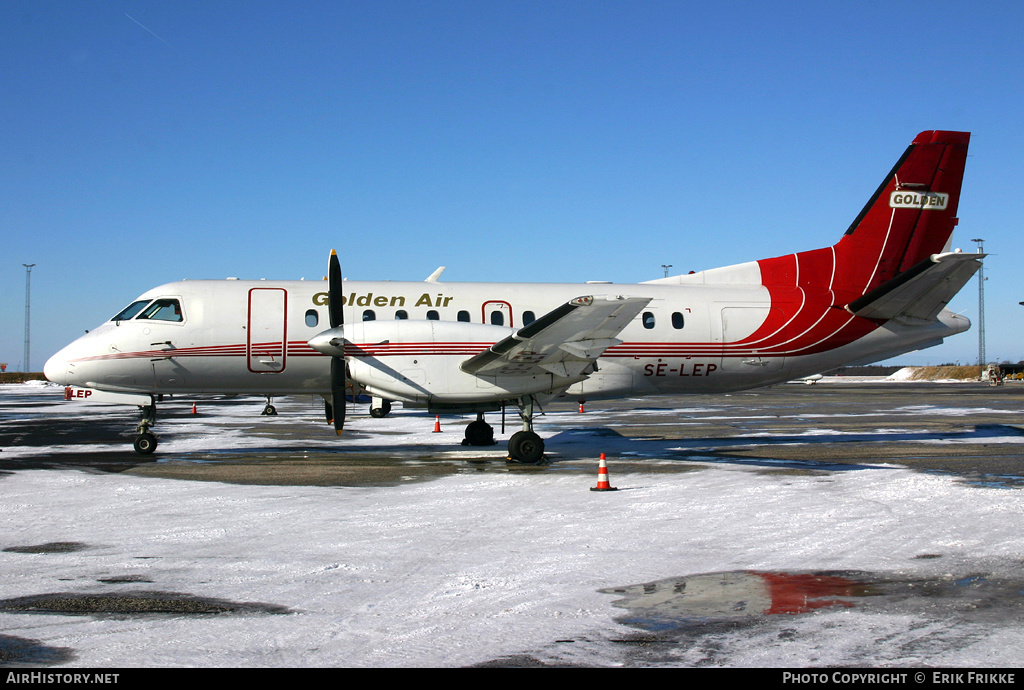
(145, 142)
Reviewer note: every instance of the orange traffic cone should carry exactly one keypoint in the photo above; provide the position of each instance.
(437, 424)
(602, 477)
(193, 408)
(581, 408)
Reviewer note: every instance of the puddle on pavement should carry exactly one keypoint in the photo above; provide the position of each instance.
(750, 596)
(19, 652)
(133, 603)
(48, 547)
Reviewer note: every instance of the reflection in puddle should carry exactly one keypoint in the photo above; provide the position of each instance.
(744, 596)
(731, 595)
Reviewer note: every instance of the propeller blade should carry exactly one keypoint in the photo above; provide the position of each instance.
(334, 291)
(337, 318)
(338, 384)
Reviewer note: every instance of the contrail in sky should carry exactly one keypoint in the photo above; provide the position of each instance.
(145, 27)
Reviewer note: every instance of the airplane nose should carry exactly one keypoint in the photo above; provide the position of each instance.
(56, 369)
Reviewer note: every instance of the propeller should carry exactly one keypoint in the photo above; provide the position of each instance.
(336, 315)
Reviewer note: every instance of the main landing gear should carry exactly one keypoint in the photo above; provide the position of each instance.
(379, 408)
(479, 433)
(525, 446)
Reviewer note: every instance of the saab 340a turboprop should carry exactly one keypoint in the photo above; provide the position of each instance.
(881, 290)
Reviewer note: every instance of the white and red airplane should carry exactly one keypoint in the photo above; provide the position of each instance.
(476, 347)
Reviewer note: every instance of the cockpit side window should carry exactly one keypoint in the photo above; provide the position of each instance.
(163, 310)
(131, 310)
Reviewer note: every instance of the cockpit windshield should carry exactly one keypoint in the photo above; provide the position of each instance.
(131, 310)
(166, 309)
(162, 310)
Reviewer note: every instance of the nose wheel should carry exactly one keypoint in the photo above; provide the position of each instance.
(145, 442)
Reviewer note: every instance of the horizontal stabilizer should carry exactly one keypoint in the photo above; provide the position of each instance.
(563, 342)
(920, 292)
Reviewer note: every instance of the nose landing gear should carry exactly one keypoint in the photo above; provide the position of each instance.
(145, 442)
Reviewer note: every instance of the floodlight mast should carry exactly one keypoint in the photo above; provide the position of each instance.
(981, 305)
(28, 309)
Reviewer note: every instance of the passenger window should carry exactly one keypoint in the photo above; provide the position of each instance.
(677, 320)
(163, 310)
(312, 318)
(528, 318)
(432, 315)
(131, 310)
(497, 318)
(463, 316)
(648, 320)
(401, 315)
(368, 315)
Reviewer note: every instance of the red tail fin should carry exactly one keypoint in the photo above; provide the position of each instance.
(910, 217)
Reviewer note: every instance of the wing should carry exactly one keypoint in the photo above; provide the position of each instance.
(563, 342)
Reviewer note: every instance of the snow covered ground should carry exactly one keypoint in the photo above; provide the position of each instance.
(886, 566)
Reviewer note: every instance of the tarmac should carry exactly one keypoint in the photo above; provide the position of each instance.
(971, 430)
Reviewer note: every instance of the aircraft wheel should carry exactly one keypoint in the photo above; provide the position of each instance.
(383, 411)
(270, 410)
(145, 443)
(479, 433)
(526, 447)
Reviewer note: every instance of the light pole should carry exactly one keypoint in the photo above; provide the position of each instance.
(665, 267)
(28, 306)
(981, 306)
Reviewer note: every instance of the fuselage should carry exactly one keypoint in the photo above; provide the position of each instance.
(235, 336)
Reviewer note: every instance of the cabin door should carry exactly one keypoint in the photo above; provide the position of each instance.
(267, 328)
